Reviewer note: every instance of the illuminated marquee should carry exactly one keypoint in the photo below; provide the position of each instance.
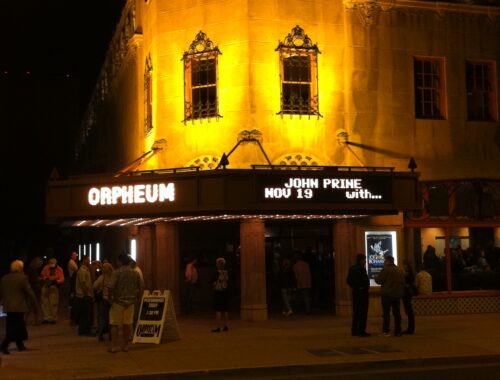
(328, 189)
(132, 194)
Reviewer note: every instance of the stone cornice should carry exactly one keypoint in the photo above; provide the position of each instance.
(368, 10)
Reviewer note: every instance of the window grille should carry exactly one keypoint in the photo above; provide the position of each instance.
(298, 74)
(200, 79)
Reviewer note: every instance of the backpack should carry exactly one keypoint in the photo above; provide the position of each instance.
(222, 280)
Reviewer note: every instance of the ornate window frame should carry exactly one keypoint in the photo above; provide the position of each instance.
(298, 56)
(202, 55)
(148, 96)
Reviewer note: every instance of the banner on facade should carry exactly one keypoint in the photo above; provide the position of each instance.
(157, 319)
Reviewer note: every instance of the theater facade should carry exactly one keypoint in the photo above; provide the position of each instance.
(255, 130)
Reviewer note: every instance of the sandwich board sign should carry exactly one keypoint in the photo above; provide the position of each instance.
(157, 318)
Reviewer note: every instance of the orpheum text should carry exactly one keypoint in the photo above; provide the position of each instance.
(132, 194)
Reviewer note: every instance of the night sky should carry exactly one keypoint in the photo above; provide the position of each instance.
(50, 48)
(57, 37)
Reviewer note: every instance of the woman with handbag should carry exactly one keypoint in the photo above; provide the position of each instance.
(101, 298)
(410, 291)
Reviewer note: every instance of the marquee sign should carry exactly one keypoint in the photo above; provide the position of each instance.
(233, 191)
(321, 188)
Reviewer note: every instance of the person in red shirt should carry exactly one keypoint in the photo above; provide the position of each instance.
(52, 277)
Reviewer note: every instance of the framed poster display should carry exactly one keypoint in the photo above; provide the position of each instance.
(378, 245)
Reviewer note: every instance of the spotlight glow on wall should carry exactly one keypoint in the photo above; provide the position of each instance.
(133, 248)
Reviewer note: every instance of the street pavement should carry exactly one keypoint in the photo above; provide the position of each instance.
(296, 347)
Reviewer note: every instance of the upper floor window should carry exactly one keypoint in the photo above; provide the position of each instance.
(430, 102)
(148, 96)
(200, 79)
(298, 74)
(481, 94)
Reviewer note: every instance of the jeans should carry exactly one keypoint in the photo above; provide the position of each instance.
(85, 316)
(306, 296)
(15, 331)
(102, 318)
(360, 302)
(286, 295)
(388, 304)
(408, 307)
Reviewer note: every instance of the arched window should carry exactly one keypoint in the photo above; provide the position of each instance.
(298, 74)
(200, 79)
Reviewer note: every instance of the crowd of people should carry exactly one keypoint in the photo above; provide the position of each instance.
(472, 268)
(397, 285)
(102, 299)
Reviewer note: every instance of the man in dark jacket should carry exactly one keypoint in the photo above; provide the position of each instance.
(392, 281)
(17, 298)
(359, 282)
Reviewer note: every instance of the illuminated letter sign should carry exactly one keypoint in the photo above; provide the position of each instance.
(326, 189)
(132, 194)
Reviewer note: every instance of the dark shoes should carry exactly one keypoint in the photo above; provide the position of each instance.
(20, 348)
(364, 335)
(219, 330)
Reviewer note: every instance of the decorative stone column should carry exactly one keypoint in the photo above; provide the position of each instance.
(344, 243)
(253, 270)
(145, 254)
(166, 260)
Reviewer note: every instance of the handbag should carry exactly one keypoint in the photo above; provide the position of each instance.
(98, 296)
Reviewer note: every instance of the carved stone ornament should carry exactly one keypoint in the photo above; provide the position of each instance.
(368, 10)
(250, 136)
(297, 39)
(202, 44)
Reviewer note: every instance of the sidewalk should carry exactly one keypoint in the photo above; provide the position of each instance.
(312, 342)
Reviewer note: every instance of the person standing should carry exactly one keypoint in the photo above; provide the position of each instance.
(33, 272)
(287, 284)
(423, 282)
(220, 282)
(359, 282)
(392, 282)
(83, 296)
(137, 306)
(102, 300)
(72, 269)
(52, 277)
(190, 281)
(126, 286)
(17, 298)
(408, 294)
(72, 266)
(302, 274)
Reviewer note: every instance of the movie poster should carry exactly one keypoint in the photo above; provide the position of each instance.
(378, 245)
